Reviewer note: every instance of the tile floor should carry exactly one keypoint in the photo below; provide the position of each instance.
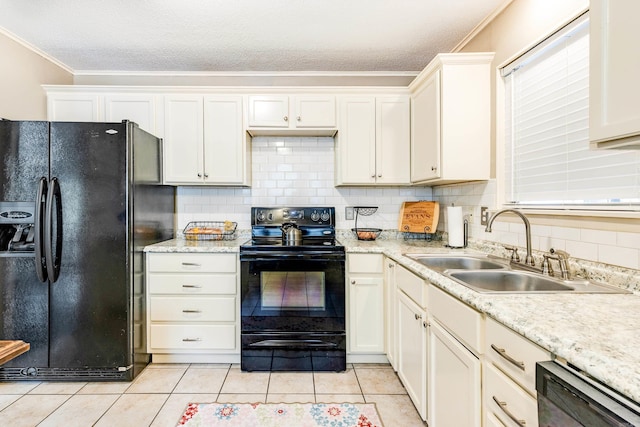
(159, 394)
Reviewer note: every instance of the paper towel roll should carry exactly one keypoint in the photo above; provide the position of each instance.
(455, 224)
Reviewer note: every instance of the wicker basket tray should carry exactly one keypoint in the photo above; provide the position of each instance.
(210, 230)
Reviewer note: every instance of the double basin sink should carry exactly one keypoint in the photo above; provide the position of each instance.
(494, 275)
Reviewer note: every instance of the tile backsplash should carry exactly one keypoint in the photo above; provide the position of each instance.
(290, 171)
(609, 247)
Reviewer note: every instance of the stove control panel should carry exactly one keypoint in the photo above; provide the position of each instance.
(322, 216)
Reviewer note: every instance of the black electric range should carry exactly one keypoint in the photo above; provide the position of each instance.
(293, 294)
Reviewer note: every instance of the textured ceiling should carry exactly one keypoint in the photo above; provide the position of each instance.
(243, 35)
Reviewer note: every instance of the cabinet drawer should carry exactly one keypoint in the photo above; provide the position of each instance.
(190, 262)
(461, 320)
(515, 355)
(365, 263)
(514, 400)
(192, 309)
(412, 285)
(190, 337)
(192, 284)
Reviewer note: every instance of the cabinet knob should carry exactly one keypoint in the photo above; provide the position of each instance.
(373, 176)
(425, 324)
(418, 316)
(380, 176)
(391, 265)
(299, 118)
(353, 282)
(285, 118)
(434, 168)
(199, 175)
(206, 175)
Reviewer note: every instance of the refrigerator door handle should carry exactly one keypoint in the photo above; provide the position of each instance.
(53, 259)
(38, 241)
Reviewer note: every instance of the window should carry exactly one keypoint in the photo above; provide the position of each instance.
(548, 163)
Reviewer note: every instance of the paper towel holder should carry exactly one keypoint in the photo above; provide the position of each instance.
(465, 235)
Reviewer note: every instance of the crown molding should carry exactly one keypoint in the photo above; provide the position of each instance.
(35, 50)
(481, 26)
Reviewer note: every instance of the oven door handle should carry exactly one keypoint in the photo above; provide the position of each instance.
(293, 344)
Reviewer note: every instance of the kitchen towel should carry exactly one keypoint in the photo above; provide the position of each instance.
(455, 226)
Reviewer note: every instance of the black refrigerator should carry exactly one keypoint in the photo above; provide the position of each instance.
(78, 203)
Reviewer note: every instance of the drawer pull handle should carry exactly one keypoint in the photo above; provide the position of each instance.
(191, 311)
(192, 286)
(502, 352)
(503, 406)
(191, 339)
(191, 264)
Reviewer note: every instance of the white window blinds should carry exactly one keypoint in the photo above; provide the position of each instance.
(548, 161)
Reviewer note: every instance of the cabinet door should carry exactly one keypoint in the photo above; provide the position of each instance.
(392, 140)
(366, 314)
(357, 141)
(391, 330)
(73, 107)
(614, 68)
(425, 131)
(224, 141)
(269, 111)
(315, 111)
(454, 381)
(412, 351)
(138, 108)
(183, 142)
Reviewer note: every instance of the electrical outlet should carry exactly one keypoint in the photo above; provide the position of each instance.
(348, 213)
(484, 215)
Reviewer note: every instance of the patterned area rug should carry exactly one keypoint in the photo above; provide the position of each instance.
(281, 415)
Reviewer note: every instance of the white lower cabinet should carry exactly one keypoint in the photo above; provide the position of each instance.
(509, 389)
(412, 351)
(506, 401)
(454, 381)
(365, 284)
(390, 308)
(193, 313)
(454, 372)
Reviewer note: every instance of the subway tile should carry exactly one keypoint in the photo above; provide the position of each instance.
(624, 257)
(598, 236)
(628, 240)
(582, 250)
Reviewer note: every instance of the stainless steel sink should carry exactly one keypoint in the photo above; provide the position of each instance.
(511, 281)
(457, 262)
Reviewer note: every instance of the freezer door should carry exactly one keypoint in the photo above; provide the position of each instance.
(90, 304)
(24, 313)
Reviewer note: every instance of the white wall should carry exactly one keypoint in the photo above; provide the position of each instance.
(291, 171)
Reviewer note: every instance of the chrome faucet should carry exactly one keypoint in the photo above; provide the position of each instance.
(527, 227)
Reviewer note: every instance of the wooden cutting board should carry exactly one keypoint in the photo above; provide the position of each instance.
(11, 349)
(419, 217)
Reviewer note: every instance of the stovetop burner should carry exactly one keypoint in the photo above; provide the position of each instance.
(317, 226)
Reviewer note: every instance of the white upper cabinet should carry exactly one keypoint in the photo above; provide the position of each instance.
(614, 110)
(74, 107)
(451, 119)
(184, 139)
(286, 115)
(204, 140)
(138, 108)
(373, 141)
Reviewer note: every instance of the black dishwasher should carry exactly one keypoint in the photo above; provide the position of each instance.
(568, 398)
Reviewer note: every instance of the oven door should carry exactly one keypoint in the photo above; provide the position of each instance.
(292, 292)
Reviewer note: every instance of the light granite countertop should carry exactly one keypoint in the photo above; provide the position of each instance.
(597, 333)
